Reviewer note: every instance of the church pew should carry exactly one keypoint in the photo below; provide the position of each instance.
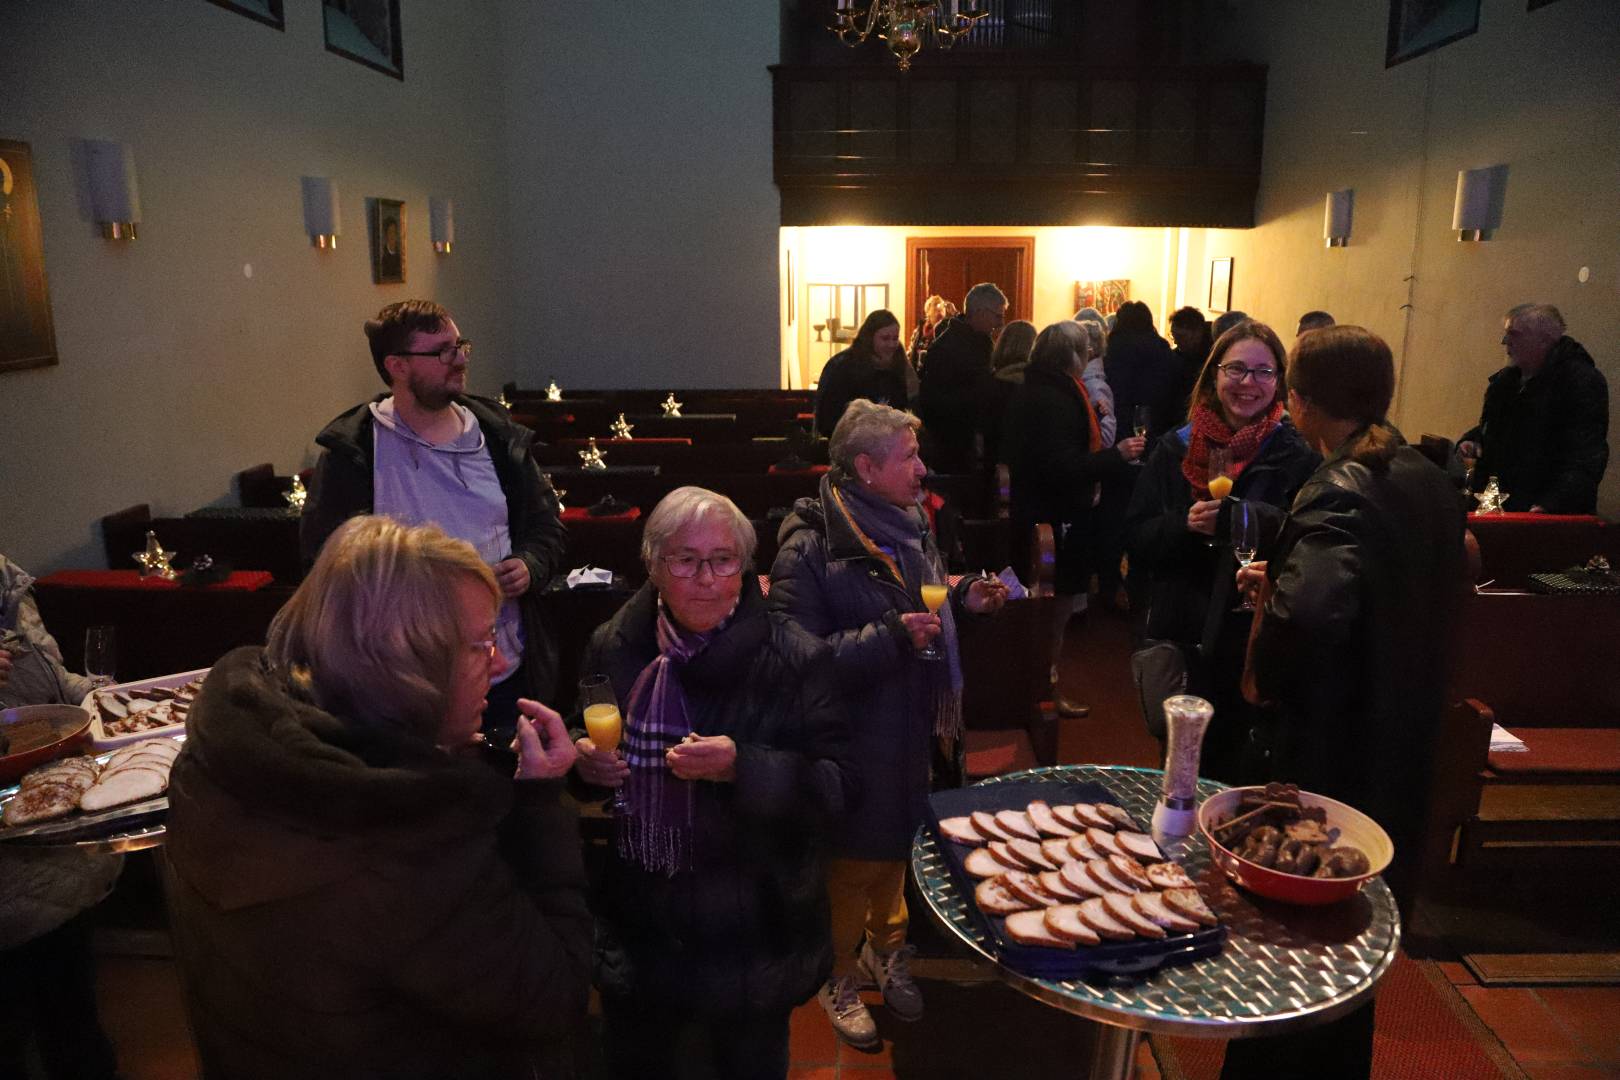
(1514, 546)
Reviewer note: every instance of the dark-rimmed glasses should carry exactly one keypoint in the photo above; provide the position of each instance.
(1236, 372)
(687, 566)
(448, 355)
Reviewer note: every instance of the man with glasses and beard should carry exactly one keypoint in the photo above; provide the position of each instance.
(427, 452)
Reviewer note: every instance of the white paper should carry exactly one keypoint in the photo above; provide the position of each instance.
(1504, 741)
(589, 575)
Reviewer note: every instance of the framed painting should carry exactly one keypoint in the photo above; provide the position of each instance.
(268, 12)
(387, 241)
(1220, 285)
(27, 334)
(367, 32)
(1420, 26)
(1105, 296)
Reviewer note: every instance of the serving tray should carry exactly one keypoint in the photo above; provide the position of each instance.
(129, 827)
(1123, 959)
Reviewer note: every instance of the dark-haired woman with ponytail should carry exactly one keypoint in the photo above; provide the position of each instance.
(1357, 606)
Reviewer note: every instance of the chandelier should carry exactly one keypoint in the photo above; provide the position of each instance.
(906, 24)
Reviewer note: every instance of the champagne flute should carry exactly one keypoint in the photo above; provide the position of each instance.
(101, 655)
(602, 721)
(1141, 420)
(1220, 480)
(933, 598)
(1245, 526)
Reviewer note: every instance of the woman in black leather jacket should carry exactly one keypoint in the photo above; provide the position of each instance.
(1178, 536)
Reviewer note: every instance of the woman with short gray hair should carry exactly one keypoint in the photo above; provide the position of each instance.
(858, 567)
(712, 909)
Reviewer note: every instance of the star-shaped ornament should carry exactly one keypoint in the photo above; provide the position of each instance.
(671, 407)
(621, 428)
(505, 404)
(1493, 500)
(557, 491)
(591, 458)
(553, 391)
(154, 561)
(296, 495)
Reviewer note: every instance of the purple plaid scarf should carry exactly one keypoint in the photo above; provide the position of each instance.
(655, 821)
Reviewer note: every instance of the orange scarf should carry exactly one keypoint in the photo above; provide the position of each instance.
(1094, 440)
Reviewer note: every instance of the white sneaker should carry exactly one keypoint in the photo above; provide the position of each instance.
(850, 1017)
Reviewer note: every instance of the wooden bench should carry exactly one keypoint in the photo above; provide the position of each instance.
(1542, 667)
(1514, 546)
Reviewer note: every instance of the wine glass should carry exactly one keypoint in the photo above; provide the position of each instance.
(1220, 476)
(819, 328)
(1141, 420)
(101, 655)
(602, 721)
(933, 598)
(1245, 527)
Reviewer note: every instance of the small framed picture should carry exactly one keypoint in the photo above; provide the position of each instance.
(387, 241)
(1420, 26)
(367, 32)
(1220, 285)
(265, 11)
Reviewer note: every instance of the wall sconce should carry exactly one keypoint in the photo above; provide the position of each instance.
(1479, 202)
(321, 219)
(114, 198)
(442, 223)
(1336, 218)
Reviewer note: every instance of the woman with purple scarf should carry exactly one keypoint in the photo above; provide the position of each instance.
(712, 909)
(851, 569)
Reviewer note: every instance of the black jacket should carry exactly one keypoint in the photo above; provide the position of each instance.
(951, 396)
(1353, 646)
(343, 487)
(746, 930)
(1186, 575)
(825, 580)
(1046, 439)
(1546, 440)
(1142, 371)
(847, 377)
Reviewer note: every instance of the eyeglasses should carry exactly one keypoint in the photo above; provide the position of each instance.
(686, 566)
(485, 649)
(447, 355)
(1236, 372)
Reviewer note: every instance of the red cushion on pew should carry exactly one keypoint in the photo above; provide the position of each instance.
(239, 580)
(814, 470)
(1562, 750)
(658, 440)
(581, 513)
(991, 753)
(1521, 517)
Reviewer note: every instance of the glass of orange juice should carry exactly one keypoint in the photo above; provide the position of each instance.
(602, 721)
(1220, 482)
(933, 598)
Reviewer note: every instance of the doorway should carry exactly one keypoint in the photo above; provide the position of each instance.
(950, 266)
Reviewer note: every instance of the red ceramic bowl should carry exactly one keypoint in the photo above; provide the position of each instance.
(71, 726)
(1355, 829)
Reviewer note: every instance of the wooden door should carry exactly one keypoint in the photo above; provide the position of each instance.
(950, 266)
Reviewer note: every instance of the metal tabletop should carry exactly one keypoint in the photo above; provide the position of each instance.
(1281, 969)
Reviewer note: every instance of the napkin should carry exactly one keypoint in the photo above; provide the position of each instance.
(1504, 741)
(587, 576)
(1015, 588)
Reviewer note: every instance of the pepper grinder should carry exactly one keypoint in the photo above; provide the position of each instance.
(1186, 719)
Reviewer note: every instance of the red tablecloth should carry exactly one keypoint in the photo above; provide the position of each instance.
(657, 440)
(580, 513)
(239, 580)
(814, 470)
(1523, 517)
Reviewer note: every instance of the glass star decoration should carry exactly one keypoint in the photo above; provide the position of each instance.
(296, 495)
(671, 407)
(591, 458)
(154, 561)
(1493, 500)
(622, 428)
(557, 491)
(505, 404)
(553, 391)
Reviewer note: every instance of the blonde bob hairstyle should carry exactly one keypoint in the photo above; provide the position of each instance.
(867, 428)
(372, 634)
(687, 506)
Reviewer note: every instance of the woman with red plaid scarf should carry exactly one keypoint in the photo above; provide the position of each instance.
(1178, 533)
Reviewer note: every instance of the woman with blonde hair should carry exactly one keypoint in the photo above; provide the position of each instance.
(354, 889)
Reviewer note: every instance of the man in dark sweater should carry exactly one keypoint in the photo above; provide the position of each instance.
(954, 377)
(1544, 429)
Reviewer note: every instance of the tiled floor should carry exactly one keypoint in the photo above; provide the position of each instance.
(1553, 1033)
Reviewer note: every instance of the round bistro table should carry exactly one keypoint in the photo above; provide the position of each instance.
(1282, 968)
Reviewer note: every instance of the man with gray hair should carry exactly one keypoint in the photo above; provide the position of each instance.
(1544, 429)
(954, 377)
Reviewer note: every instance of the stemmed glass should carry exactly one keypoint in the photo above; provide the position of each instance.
(1245, 527)
(1141, 419)
(101, 655)
(602, 721)
(933, 598)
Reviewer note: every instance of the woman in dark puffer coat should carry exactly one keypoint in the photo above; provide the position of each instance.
(1179, 537)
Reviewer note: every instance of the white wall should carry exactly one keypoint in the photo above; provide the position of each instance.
(643, 215)
(876, 254)
(1536, 91)
(176, 369)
